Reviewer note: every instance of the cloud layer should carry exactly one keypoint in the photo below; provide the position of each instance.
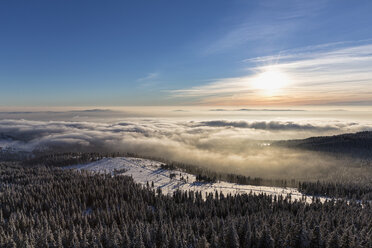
(271, 125)
(236, 146)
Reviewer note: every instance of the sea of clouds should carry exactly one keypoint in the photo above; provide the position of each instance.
(236, 145)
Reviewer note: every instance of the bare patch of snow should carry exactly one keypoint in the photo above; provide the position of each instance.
(145, 171)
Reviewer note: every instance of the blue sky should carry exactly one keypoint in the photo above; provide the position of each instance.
(118, 53)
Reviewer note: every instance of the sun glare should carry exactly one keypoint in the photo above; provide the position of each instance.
(270, 80)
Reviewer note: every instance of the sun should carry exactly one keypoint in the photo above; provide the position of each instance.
(270, 80)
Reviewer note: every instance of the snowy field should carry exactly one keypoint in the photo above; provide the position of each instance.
(145, 171)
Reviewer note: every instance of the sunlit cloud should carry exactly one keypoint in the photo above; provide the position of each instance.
(219, 144)
(320, 75)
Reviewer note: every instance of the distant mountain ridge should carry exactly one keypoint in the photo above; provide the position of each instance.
(352, 144)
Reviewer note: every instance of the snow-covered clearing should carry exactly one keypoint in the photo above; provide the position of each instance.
(144, 170)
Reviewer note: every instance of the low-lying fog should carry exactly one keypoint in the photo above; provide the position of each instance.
(236, 141)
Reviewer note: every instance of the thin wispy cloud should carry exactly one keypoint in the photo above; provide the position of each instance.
(327, 74)
(148, 77)
(148, 81)
(245, 33)
(272, 20)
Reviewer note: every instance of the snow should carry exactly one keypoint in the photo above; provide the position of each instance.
(145, 170)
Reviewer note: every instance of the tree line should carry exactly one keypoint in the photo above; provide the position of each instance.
(359, 191)
(345, 190)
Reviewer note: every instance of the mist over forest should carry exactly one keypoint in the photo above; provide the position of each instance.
(250, 148)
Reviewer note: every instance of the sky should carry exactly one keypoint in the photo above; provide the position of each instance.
(198, 53)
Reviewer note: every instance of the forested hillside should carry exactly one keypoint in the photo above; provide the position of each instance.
(358, 145)
(357, 190)
(49, 207)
